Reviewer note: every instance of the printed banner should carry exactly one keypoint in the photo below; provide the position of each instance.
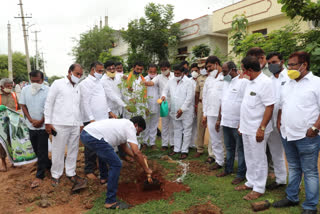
(14, 137)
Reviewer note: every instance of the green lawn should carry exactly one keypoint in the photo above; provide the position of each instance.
(204, 188)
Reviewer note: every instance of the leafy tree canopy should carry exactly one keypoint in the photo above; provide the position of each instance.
(150, 37)
(201, 50)
(91, 45)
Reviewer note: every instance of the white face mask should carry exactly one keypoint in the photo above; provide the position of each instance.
(166, 72)
(152, 75)
(194, 74)
(97, 75)
(74, 79)
(214, 73)
(35, 88)
(203, 71)
(177, 78)
(7, 90)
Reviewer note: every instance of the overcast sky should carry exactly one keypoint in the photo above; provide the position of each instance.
(61, 20)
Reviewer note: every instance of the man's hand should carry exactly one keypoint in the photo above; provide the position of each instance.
(124, 77)
(37, 123)
(311, 133)
(278, 125)
(163, 98)
(92, 121)
(217, 127)
(179, 113)
(204, 121)
(112, 115)
(148, 171)
(259, 135)
(81, 128)
(49, 128)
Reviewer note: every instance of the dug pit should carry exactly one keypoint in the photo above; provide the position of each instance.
(132, 180)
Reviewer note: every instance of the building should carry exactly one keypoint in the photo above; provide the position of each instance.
(200, 31)
(263, 16)
(195, 32)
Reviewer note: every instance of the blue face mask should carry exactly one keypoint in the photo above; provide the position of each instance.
(135, 73)
(227, 77)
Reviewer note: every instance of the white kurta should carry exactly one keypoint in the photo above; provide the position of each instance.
(181, 94)
(113, 93)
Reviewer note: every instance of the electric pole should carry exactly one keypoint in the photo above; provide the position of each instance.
(44, 72)
(22, 17)
(10, 75)
(37, 53)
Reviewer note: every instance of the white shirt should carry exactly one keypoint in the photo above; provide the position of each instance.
(113, 93)
(153, 96)
(211, 96)
(231, 100)
(62, 105)
(300, 103)
(258, 95)
(161, 81)
(278, 85)
(114, 132)
(93, 100)
(181, 95)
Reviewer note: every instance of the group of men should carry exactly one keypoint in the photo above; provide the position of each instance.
(261, 112)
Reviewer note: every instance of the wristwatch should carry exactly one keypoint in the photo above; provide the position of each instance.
(315, 129)
(262, 128)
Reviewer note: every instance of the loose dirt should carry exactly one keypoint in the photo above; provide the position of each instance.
(131, 185)
(207, 208)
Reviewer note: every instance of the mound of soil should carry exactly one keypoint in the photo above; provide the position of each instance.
(207, 208)
(131, 185)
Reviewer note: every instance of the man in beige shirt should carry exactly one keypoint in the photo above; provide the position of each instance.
(201, 129)
(10, 100)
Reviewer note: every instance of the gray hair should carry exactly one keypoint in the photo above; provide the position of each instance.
(5, 81)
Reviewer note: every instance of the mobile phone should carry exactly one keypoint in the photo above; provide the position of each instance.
(53, 132)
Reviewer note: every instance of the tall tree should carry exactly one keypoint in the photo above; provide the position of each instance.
(150, 37)
(91, 44)
(309, 10)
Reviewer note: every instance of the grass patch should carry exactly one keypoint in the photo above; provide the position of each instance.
(204, 188)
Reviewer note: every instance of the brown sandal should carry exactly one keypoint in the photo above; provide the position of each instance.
(242, 188)
(253, 195)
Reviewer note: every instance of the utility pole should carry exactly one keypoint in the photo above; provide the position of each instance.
(22, 17)
(9, 53)
(37, 53)
(44, 72)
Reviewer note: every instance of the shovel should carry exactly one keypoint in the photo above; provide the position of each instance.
(150, 183)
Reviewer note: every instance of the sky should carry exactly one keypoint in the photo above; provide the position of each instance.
(59, 21)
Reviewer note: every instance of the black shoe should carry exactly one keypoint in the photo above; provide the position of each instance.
(309, 212)
(215, 167)
(284, 203)
(274, 185)
(164, 148)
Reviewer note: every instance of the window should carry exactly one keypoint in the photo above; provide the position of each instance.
(262, 31)
(183, 50)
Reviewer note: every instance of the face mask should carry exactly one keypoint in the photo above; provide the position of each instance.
(261, 66)
(35, 87)
(110, 74)
(166, 72)
(294, 74)
(177, 78)
(214, 73)
(120, 72)
(152, 75)
(274, 68)
(7, 90)
(97, 75)
(74, 79)
(194, 74)
(203, 72)
(227, 77)
(136, 73)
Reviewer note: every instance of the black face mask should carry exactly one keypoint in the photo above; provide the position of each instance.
(274, 68)
(135, 73)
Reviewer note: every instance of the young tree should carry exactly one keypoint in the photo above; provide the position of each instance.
(149, 37)
(91, 45)
(201, 50)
